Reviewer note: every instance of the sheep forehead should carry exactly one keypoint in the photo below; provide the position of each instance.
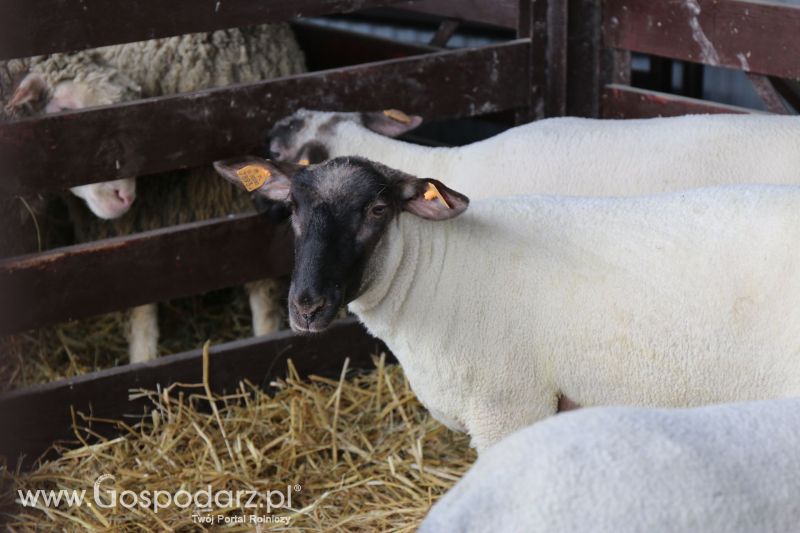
(315, 124)
(342, 182)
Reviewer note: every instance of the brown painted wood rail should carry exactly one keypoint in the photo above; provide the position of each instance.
(502, 13)
(35, 27)
(622, 101)
(33, 418)
(759, 38)
(98, 277)
(748, 35)
(147, 136)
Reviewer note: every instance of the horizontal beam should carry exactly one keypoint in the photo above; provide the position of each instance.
(89, 279)
(326, 47)
(747, 35)
(34, 27)
(35, 417)
(502, 13)
(622, 101)
(147, 136)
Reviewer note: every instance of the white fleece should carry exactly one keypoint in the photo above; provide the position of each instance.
(718, 469)
(589, 157)
(196, 61)
(681, 299)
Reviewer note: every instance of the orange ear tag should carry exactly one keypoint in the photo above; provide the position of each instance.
(304, 162)
(396, 114)
(253, 176)
(433, 194)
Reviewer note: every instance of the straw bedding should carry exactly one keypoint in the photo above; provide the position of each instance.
(95, 343)
(365, 453)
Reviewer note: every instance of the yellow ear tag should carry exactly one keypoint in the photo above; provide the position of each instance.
(396, 114)
(304, 162)
(253, 176)
(433, 194)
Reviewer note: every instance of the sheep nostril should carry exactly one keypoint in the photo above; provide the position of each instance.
(123, 197)
(307, 307)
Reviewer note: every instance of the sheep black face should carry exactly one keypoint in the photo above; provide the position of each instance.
(340, 211)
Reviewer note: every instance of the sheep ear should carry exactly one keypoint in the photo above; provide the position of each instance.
(253, 174)
(433, 200)
(390, 122)
(30, 89)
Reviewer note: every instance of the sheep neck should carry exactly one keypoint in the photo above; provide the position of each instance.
(390, 274)
(421, 161)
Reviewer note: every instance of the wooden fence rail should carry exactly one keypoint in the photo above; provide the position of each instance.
(622, 101)
(752, 36)
(187, 130)
(35, 27)
(98, 277)
(35, 417)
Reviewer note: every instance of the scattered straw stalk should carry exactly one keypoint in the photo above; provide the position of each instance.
(81, 346)
(365, 455)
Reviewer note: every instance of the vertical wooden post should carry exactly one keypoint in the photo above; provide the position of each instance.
(544, 22)
(592, 65)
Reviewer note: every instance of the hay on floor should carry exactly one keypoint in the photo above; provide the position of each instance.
(82, 346)
(366, 455)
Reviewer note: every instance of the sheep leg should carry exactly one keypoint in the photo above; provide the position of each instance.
(143, 333)
(265, 306)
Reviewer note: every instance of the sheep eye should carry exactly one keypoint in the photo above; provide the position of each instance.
(378, 210)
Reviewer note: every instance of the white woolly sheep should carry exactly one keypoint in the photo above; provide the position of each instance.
(166, 66)
(672, 300)
(179, 197)
(196, 61)
(563, 156)
(155, 67)
(189, 63)
(717, 469)
(75, 81)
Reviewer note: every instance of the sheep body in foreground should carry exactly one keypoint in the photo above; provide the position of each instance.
(564, 156)
(723, 468)
(677, 300)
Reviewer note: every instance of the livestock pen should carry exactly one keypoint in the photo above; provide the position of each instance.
(566, 58)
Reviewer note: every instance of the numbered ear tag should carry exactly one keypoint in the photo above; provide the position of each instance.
(304, 162)
(396, 114)
(433, 194)
(253, 176)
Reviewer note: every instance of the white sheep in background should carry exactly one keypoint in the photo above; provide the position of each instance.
(167, 66)
(196, 61)
(49, 84)
(717, 469)
(564, 156)
(681, 299)
(75, 81)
